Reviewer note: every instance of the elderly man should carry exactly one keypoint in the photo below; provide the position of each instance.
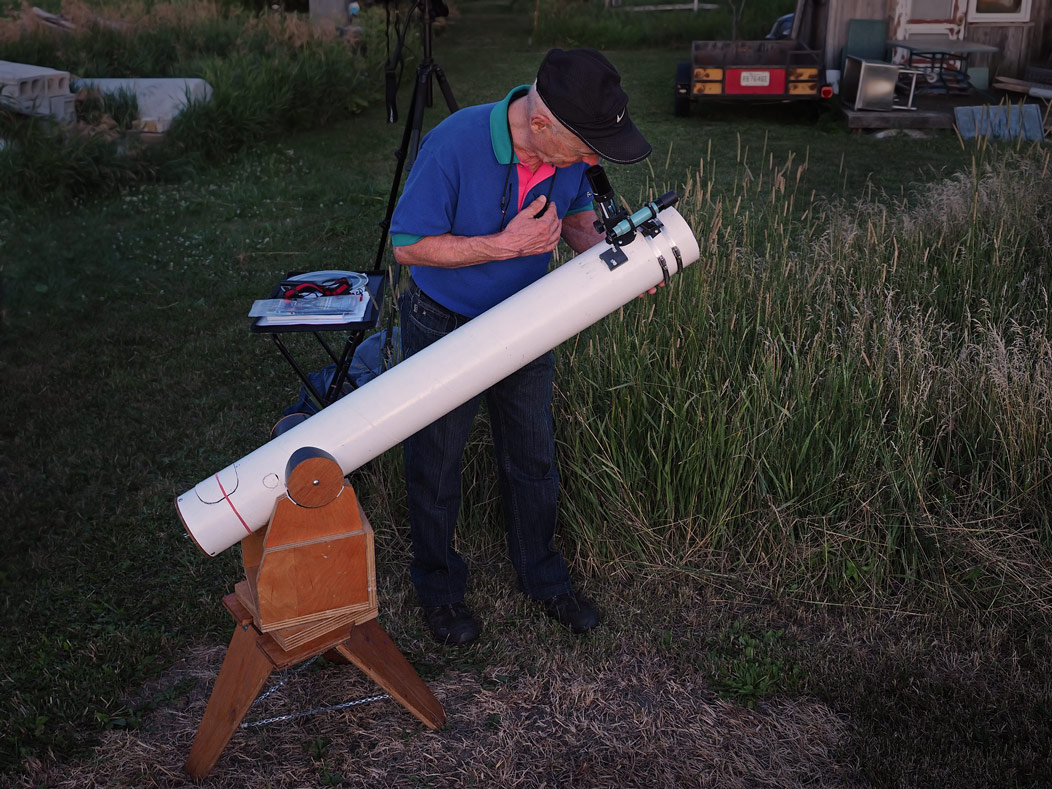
(493, 190)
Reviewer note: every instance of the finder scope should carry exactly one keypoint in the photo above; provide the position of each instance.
(614, 220)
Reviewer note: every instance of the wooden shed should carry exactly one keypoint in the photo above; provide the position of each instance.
(1020, 30)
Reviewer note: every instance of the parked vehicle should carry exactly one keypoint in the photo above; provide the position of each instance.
(774, 68)
(782, 27)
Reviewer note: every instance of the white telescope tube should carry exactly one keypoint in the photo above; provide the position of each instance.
(222, 509)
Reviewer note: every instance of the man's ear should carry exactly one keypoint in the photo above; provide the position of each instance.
(538, 123)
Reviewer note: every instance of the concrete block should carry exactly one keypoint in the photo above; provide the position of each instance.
(27, 103)
(23, 81)
(63, 108)
(160, 100)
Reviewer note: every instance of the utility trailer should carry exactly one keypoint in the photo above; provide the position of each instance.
(766, 70)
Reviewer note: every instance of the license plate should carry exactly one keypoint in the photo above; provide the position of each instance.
(756, 78)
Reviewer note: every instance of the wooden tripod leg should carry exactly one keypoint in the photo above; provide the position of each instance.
(245, 670)
(371, 649)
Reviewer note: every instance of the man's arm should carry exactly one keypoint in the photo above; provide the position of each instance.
(579, 231)
(526, 234)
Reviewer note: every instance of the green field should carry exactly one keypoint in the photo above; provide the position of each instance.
(807, 483)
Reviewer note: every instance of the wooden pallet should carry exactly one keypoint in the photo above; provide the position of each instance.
(1036, 89)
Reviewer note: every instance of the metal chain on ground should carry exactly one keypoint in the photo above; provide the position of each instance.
(306, 713)
(288, 675)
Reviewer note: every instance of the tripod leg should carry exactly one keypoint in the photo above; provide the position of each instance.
(411, 137)
(447, 91)
(420, 100)
(245, 670)
(392, 198)
(371, 649)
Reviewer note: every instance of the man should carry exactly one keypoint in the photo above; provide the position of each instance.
(492, 191)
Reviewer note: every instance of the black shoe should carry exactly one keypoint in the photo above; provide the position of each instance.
(572, 610)
(451, 624)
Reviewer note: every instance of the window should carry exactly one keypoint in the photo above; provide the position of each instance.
(999, 10)
(932, 9)
(929, 18)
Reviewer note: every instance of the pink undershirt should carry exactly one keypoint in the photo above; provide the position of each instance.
(528, 180)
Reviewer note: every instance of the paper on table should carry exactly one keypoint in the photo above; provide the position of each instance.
(320, 310)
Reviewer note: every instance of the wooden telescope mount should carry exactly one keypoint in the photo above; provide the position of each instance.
(309, 589)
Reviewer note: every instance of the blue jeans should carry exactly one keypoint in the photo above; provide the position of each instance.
(520, 410)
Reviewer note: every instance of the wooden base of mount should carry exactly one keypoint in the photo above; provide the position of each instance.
(309, 589)
(254, 655)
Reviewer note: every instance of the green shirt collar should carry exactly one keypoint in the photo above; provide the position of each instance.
(499, 132)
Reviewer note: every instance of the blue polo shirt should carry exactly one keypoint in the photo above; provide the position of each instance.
(464, 175)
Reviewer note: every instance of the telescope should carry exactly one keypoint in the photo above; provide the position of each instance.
(647, 247)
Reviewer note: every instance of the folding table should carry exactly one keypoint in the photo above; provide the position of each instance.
(355, 331)
(937, 54)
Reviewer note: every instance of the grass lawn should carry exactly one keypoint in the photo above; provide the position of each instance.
(771, 656)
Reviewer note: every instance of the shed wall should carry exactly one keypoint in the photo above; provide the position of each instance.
(837, 15)
(1019, 44)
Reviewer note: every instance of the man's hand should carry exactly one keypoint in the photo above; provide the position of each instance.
(652, 291)
(528, 234)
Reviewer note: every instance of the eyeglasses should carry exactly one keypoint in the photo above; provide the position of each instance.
(295, 289)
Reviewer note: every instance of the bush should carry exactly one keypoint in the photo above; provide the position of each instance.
(270, 74)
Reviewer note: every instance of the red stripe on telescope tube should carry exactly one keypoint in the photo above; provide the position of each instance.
(228, 501)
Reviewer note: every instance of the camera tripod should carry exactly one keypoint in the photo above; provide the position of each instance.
(423, 96)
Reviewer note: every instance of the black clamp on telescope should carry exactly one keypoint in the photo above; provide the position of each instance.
(620, 227)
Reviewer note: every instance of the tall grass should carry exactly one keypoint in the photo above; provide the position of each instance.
(859, 391)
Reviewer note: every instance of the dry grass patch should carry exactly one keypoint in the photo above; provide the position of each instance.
(561, 713)
(890, 695)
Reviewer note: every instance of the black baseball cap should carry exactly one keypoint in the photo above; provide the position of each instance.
(583, 90)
